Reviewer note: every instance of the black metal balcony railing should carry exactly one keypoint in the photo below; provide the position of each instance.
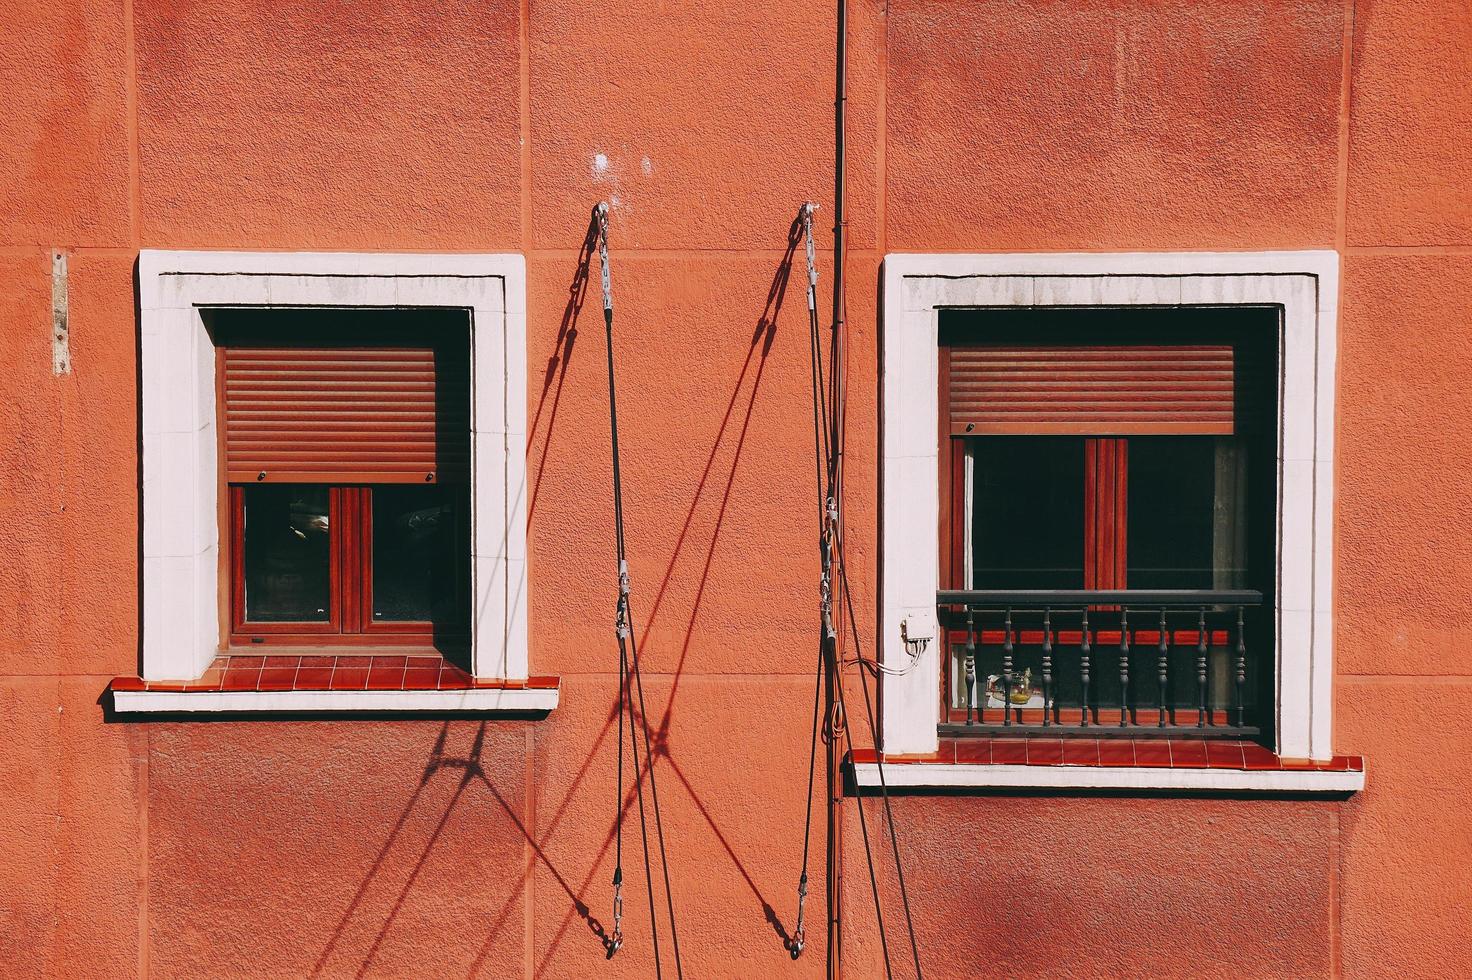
(1125, 662)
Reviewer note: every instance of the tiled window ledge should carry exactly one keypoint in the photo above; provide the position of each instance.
(278, 684)
(1121, 765)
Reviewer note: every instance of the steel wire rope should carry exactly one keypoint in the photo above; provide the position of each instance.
(629, 650)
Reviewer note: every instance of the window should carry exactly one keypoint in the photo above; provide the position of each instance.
(1077, 466)
(288, 525)
(346, 447)
(1241, 503)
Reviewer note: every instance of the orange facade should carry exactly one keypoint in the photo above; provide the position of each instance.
(449, 848)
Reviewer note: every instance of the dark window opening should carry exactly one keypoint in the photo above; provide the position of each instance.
(1109, 449)
(345, 450)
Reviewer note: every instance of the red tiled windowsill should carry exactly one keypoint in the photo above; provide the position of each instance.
(354, 672)
(284, 683)
(1138, 753)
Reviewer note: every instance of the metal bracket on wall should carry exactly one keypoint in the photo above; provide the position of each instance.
(61, 351)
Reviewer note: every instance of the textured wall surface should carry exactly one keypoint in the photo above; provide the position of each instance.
(427, 848)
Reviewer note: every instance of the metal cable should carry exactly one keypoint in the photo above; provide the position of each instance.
(820, 456)
(628, 648)
(799, 933)
(879, 765)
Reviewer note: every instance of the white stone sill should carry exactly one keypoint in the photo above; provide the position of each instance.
(488, 701)
(981, 776)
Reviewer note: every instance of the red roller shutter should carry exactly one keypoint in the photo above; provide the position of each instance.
(1060, 390)
(342, 415)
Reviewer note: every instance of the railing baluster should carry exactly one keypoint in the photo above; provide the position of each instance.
(1007, 670)
(1162, 668)
(1205, 710)
(1047, 666)
(971, 666)
(1084, 652)
(1219, 686)
(1124, 666)
(1241, 669)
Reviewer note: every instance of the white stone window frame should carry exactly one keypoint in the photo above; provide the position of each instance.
(181, 601)
(1304, 285)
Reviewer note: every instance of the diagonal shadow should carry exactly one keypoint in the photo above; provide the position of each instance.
(760, 346)
(435, 757)
(471, 773)
(555, 374)
(762, 338)
(764, 335)
(470, 768)
(768, 912)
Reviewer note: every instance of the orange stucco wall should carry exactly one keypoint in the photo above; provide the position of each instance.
(428, 849)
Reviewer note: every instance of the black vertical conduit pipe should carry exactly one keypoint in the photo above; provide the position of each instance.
(833, 548)
(838, 379)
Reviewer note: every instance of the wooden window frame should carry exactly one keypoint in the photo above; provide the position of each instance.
(1301, 286)
(184, 603)
(350, 619)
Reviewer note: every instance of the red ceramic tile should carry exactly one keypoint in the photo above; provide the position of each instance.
(945, 752)
(385, 678)
(421, 678)
(219, 663)
(863, 755)
(275, 661)
(1255, 757)
(544, 683)
(363, 662)
(1340, 763)
(1356, 763)
(1224, 755)
(169, 686)
(277, 679)
(1155, 753)
(453, 679)
(1080, 752)
(1187, 754)
(127, 684)
(1300, 765)
(238, 662)
(1045, 752)
(943, 757)
(1009, 751)
(975, 751)
(210, 681)
(319, 661)
(350, 678)
(313, 678)
(241, 680)
(381, 661)
(1116, 752)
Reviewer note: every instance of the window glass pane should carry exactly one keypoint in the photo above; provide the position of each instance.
(415, 530)
(1187, 513)
(287, 554)
(1027, 512)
